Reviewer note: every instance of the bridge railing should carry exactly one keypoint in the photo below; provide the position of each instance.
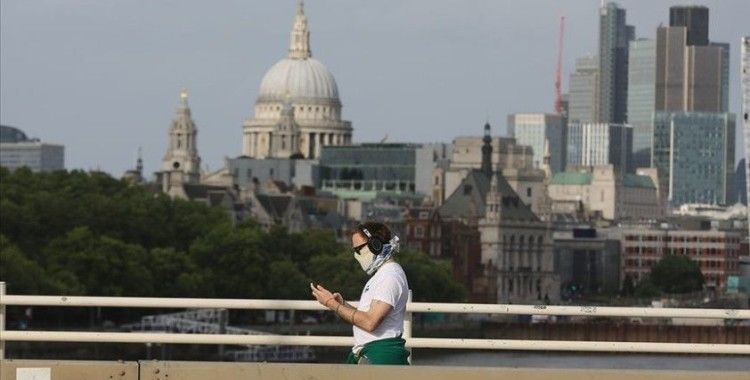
(411, 341)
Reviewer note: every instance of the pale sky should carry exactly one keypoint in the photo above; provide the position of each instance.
(103, 77)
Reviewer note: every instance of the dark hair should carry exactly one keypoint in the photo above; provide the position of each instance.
(378, 230)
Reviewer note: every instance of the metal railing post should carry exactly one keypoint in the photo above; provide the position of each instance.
(408, 326)
(2, 320)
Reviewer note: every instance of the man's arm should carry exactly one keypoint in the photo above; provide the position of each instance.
(366, 320)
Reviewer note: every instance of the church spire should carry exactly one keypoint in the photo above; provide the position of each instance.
(299, 40)
(139, 162)
(183, 98)
(487, 151)
(182, 150)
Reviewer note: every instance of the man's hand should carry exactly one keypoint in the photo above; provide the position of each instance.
(325, 297)
(339, 297)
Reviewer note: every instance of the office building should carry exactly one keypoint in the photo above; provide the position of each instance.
(364, 170)
(692, 73)
(248, 172)
(694, 19)
(642, 98)
(694, 154)
(17, 151)
(745, 75)
(587, 261)
(614, 36)
(537, 130)
(594, 144)
(583, 90)
(716, 252)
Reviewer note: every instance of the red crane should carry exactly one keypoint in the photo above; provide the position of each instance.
(558, 73)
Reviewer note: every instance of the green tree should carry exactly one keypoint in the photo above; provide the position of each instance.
(677, 274)
(430, 280)
(102, 265)
(338, 273)
(174, 273)
(233, 262)
(23, 276)
(285, 281)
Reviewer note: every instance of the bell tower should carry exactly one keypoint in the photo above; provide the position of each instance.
(182, 153)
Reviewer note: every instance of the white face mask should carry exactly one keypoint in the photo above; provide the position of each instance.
(365, 258)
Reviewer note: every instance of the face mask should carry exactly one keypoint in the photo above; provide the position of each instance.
(365, 258)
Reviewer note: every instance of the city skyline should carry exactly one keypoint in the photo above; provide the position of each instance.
(442, 68)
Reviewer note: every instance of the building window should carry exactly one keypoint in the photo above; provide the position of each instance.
(249, 173)
(418, 231)
(528, 191)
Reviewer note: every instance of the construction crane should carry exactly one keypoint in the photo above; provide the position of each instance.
(558, 72)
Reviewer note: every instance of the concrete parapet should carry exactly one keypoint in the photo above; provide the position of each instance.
(166, 370)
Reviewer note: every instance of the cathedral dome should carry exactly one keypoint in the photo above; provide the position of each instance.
(298, 110)
(299, 77)
(302, 80)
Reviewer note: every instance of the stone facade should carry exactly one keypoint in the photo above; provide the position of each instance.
(603, 193)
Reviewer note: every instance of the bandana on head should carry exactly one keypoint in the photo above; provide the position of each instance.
(389, 249)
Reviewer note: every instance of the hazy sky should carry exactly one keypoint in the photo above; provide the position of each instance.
(103, 76)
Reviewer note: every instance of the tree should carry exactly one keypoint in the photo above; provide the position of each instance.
(102, 265)
(86, 233)
(430, 280)
(677, 274)
(22, 275)
(233, 262)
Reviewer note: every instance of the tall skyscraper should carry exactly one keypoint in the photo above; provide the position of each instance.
(692, 74)
(694, 155)
(724, 74)
(583, 90)
(594, 144)
(703, 78)
(695, 19)
(670, 68)
(745, 46)
(642, 98)
(614, 36)
(536, 130)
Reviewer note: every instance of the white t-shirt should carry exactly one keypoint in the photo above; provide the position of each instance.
(387, 285)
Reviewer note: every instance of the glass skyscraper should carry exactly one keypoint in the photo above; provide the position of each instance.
(614, 36)
(694, 155)
(695, 19)
(745, 56)
(536, 129)
(594, 144)
(582, 98)
(642, 98)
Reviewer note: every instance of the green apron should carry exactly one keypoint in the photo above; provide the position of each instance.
(383, 351)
